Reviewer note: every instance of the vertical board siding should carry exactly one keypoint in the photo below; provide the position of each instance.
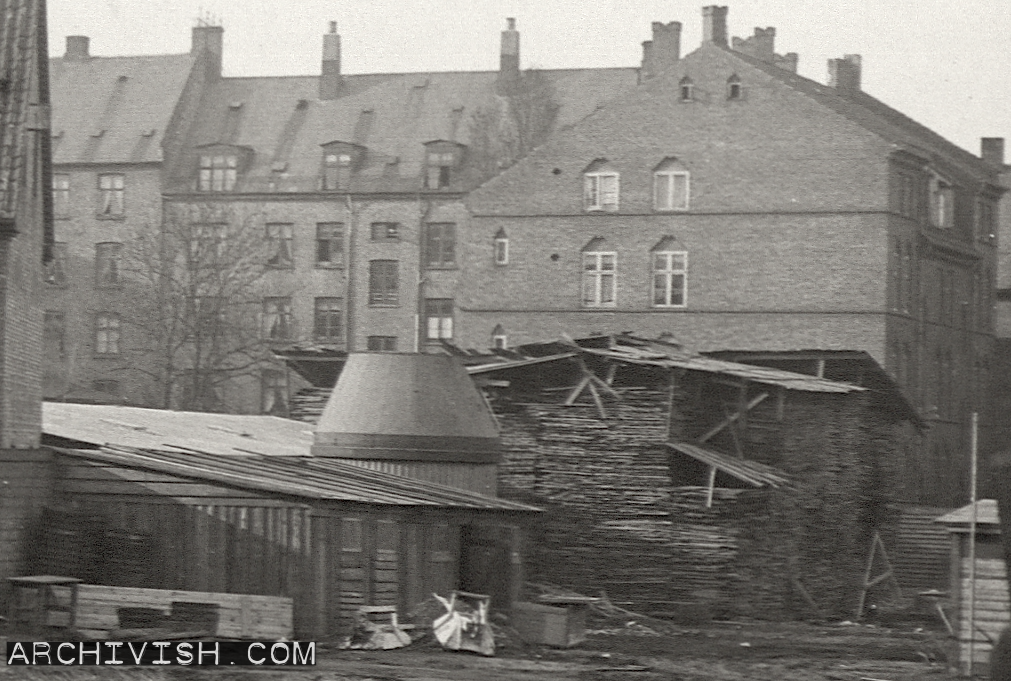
(992, 609)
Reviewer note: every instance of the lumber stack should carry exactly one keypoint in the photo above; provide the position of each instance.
(308, 404)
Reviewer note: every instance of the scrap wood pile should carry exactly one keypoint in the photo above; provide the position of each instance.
(606, 618)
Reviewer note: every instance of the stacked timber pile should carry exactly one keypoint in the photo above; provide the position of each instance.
(308, 404)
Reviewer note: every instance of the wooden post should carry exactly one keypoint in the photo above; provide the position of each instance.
(972, 539)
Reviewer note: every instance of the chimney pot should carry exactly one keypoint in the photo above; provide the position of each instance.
(714, 25)
(511, 23)
(77, 47)
(333, 26)
(992, 150)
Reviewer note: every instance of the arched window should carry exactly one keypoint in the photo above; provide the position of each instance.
(687, 89)
(734, 87)
(670, 185)
(600, 186)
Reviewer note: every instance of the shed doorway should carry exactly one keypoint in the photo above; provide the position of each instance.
(486, 565)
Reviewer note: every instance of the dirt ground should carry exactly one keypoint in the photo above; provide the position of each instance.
(719, 651)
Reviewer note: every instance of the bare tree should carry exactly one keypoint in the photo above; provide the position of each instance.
(517, 121)
(196, 299)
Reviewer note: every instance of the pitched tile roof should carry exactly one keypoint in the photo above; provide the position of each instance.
(114, 109)
(284, 122)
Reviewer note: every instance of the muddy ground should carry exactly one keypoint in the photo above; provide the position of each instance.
(718, 651)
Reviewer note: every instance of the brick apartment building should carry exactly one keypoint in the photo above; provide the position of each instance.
(355, 183)
(114, 124)
(741, 207)
(25, 235)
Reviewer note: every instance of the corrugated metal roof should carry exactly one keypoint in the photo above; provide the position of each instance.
(305, 477)
(751, 472)
(221, 434)
(986, 514)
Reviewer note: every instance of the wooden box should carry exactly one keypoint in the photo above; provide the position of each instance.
(561, 626)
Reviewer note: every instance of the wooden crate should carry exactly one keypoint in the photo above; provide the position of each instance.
(561, 627)
(240, 616)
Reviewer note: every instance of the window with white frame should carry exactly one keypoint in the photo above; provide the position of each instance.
(336, 170)
(277, 319)
(327, 319)
(438, 318)
(61, 195)
(107, 334)
(599, 278)
(670, 185)
(279, 236)
(670, 278)
(110, 188)
(600, 186)
(501, 246)
(218, 172)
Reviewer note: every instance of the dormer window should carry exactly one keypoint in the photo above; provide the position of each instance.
(442, 157)
(339, 162)
(687, 89)
(670, 185)
(218, 173)
(600, 186)
(220, 166)
(734, 87)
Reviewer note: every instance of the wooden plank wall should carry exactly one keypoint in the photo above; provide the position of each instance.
(920, 548)
(329, 558)
(992, 609)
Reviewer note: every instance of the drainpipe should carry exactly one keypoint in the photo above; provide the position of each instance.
(349, 272)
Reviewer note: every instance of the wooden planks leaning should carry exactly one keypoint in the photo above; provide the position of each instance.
(240, 616)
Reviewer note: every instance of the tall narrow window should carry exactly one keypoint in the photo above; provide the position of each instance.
(110, 187)
(440, 245)
(218, 172)
(734, 87)
(61, 195)
(383, 282)
(107, 334)
(670, 185)
(438, 170)
(56, 269)
(599, 278)
(54, 332)
(277, 319)
(329, 244)
(327, 318)
(942, 203)
(274, 392)
(279, 236)
(438, 318)
(600, 187)
(501, 245)
(107, 264)
(670, 278)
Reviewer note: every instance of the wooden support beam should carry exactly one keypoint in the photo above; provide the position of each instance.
(733, 431)
(594, 379)
(612, 369)
(577, 391)
(596, 398)
(733, 417)
(819, 368)
(710, 486)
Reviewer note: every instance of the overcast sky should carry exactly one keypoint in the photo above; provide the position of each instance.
(946, 64)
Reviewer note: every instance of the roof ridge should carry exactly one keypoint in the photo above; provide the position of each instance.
(870, 104)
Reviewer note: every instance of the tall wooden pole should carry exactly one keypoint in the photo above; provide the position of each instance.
(972, 541)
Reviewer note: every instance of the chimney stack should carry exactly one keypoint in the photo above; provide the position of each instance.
(992, 150)
(77, 48)
(762, 45)
(663, 52)
(509, 57)
(844, 74)
(714, 25)
(331, 82)
(207, 41)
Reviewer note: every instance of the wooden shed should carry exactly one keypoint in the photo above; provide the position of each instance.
(213, 511)
(988, 602)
